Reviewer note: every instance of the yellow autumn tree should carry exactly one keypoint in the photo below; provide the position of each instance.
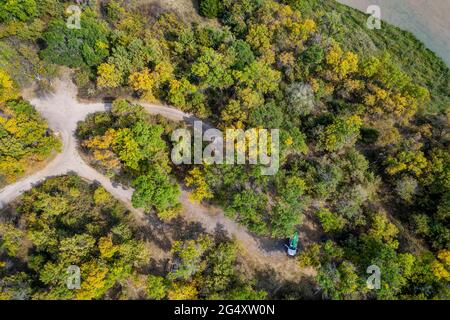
(444, 256)
(108, 76)
(384, 230)
(341, 133)
(169, 213)
(406, 160)
(249, 98)
(179, 91)
(145, 82)
(259, 37)
(196, 179)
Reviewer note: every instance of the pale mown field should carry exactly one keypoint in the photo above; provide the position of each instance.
(428, 20)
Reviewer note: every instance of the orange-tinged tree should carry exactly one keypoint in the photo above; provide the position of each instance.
(183, 291)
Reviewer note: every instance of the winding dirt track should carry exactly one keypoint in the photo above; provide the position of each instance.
(63, 112)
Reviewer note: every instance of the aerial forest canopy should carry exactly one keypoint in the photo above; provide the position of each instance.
(363, 118)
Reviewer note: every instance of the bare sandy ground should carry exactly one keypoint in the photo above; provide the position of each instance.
(428, 20)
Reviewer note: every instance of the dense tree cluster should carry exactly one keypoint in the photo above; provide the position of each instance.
(204, 269)
(25, 139)
(363, 122)
(128, 143)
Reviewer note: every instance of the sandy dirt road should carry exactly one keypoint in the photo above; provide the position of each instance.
(63, 112)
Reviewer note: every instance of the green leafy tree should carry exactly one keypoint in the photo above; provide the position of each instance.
(10, 239)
